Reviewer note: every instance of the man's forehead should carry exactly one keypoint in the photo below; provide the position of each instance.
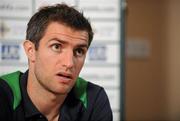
(63, 35)
(64, 30)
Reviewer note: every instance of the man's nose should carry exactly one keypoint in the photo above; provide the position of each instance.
(68, 59)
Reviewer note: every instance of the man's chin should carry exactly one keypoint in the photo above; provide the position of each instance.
(61, 92)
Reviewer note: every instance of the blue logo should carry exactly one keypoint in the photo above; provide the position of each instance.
(98, 53)
(10, 52)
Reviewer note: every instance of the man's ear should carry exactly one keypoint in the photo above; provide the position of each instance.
(29, 48)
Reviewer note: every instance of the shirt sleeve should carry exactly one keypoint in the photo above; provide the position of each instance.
(5, 110)
(101, 109)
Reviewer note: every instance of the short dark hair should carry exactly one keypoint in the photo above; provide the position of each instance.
(61, 13)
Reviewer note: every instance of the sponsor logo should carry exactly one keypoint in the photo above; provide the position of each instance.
(98, 53)
(10, 52)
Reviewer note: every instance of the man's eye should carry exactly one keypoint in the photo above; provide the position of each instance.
(79, 52)
(56, 47)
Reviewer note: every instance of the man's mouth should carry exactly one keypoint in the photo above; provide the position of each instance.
(64, 77)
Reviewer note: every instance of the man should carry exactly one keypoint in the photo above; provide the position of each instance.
(57, 40)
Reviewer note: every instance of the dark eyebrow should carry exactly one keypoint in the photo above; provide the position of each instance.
(83, 45)
(59, 40)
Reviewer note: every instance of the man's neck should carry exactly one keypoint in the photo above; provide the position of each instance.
(45, 101)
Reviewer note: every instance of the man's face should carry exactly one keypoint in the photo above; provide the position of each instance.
(59, 58)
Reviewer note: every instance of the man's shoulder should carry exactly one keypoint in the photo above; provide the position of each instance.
(98, 106)
(6, 94)
(9, 83)
(84, 90)
(11, 76)
(94, 90)
(6, 80)
(94, 86)
(88, 86)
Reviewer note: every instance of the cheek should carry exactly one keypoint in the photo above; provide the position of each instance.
(79, 66)
(44, 60)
